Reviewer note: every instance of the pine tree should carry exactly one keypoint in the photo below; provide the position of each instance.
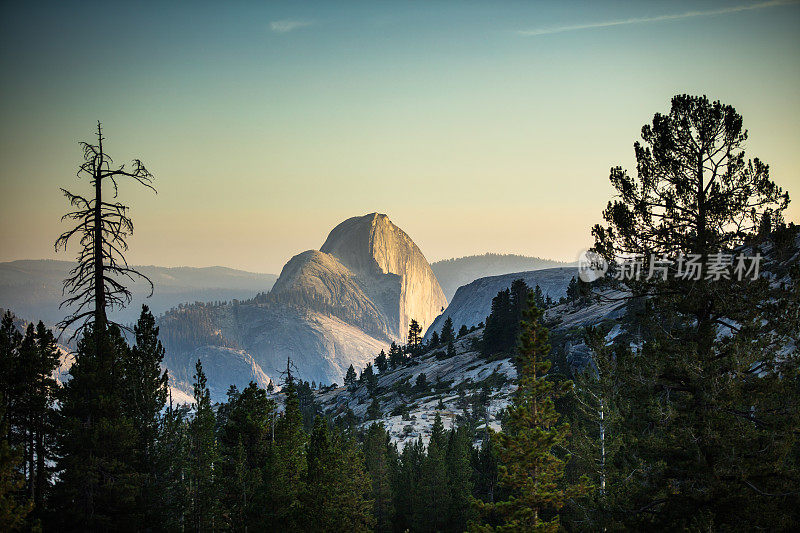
(145, 394)
(451, 350)
(529, 467)
(287, 483)
(378, 461)
(484, 464)
(42, 391)
(97, 481)
(448, 333)
(350, 377)
(463, 331)
(374, 410)
(572, 290)
(172, 462)
(244, 442)
(381, 362)
(538, 297)
(406, 483)
(336, 484)
(414, 336)
(10, 341)
(396, 357)
(28, 363)
(435, 340)
(421, 383)
(704, 399)
(495, 334)
(97, 476)
(202, 495)
(459, 476)
(369, 378)
(13, 514)
(432, 502)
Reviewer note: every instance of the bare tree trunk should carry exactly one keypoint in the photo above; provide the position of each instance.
(40, 473)
(99, 294)
(602, 449)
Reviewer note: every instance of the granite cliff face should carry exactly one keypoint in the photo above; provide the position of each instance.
(329, 308)
(397, 275)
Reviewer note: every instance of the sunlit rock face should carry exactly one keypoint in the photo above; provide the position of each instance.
(318, 281)
(392, 268)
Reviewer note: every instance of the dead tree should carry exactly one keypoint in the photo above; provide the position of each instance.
(95, 284)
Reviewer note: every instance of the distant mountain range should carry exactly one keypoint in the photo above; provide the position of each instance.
(32, 288)
(453, 273)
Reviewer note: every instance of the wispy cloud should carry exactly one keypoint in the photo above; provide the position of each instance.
(285, 26)
(658, 18)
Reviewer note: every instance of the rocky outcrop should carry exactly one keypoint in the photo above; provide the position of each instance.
(473, 303)
(329, 308)
(396, 273)
(317, 281)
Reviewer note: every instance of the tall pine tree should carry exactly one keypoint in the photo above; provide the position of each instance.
(530, 468)
(145, 395)
(97, 480)
(202, 458)
(708, 386)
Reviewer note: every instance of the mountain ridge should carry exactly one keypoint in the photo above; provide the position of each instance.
(455, 272)
(32, 288)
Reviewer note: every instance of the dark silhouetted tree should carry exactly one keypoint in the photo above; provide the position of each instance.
(380, 460)
(414, 336)
(95, 284)
(382, 362)
(448, 334)
(97, 479)
(350, 376)
(203, 456)
(707, 387)
(435, 340)
(396, 356)
(145, 395)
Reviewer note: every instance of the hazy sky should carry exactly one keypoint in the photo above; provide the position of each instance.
(476, 126)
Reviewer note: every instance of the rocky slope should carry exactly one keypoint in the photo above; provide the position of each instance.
(472, 303)
(456, 384)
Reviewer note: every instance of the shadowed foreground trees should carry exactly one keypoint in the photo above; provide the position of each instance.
(711, 402)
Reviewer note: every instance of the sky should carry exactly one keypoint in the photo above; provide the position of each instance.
(476, 126)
